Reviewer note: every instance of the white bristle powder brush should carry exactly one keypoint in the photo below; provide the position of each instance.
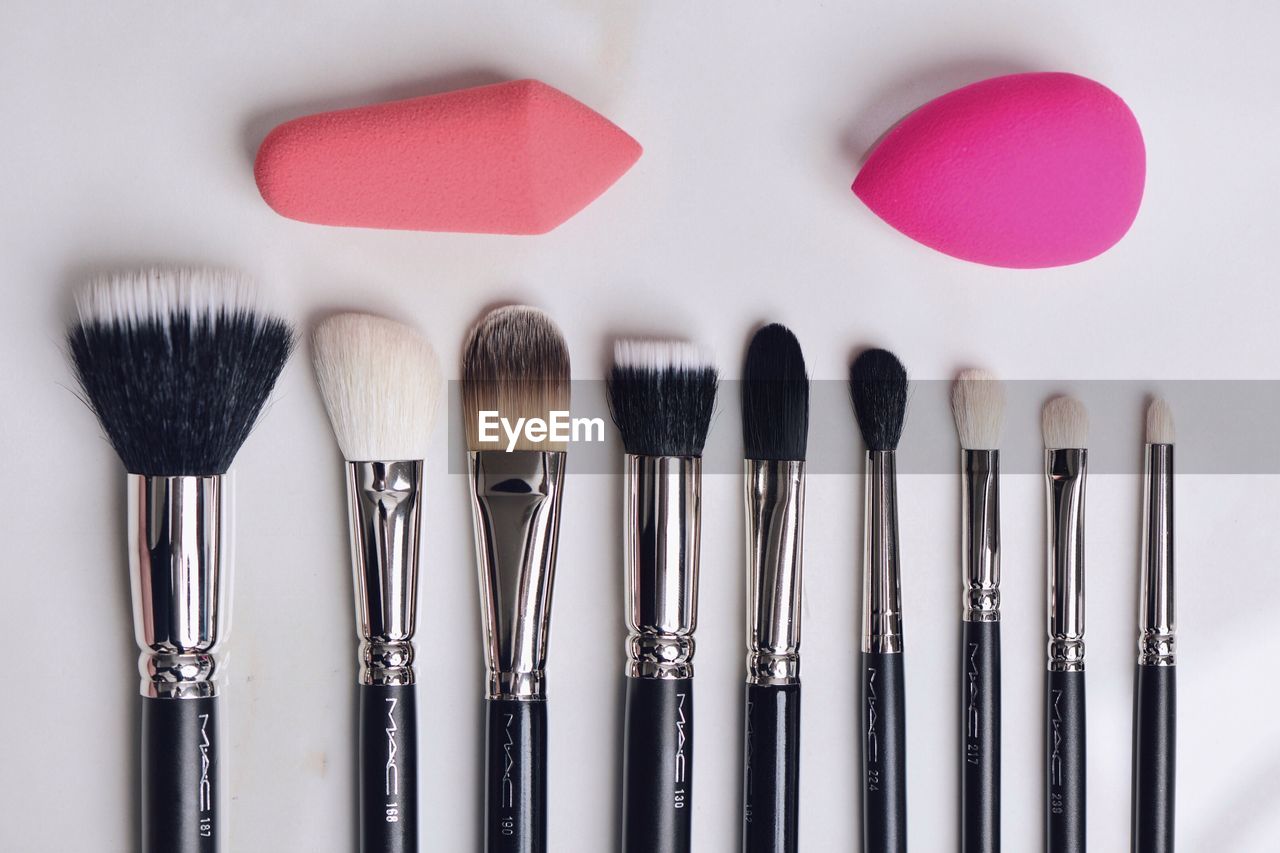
(382, 387)
(177, 364)
(1065, 424)
(515, 369)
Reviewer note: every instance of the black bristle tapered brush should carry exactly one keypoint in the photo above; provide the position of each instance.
(977, 404)
(775, 431)
(661, 395)
(177, 365)
(878, 387)
(515, 368)
(381, 385)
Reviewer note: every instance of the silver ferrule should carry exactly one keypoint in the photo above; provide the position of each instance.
(661, 532)
(515, 502)
(1065, 472)
(775, 534)
(1156, 616)
(881, 583)
(385, 508)
(980, 534)
(180, 576)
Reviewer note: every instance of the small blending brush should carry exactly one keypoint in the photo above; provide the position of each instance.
(978, 402)
(775, 432)
(661, 395)
(177, 365)
(1066, 431)
(381, 385)
(878, 387)
(1155, 695)
(515, 370)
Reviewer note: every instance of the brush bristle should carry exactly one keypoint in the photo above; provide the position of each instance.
(977, 404)
(381, 385)
(662, 395)
(177, 365)
(515, 363)
(775, 397)
(1065, 423)
(878, 388)
(1159, 422)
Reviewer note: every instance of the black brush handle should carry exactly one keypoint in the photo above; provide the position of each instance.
(388, 768)
(980, 738)
(1064, 763)
(180, 795)
(657, 771)
(771, 775)
(515, 804)
(884, 754)
(1154, 751)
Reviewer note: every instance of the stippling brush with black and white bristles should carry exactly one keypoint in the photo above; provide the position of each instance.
(978, 403)
(775, 431)
(661, 395)
(515, 373)
(1065, 423)
(177, 364)
(878, 387)
(1155, 691)
(382, 386)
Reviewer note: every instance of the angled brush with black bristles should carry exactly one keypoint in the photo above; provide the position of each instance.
(775, 397)
(177, 365)
(878, 388)
(662, 395)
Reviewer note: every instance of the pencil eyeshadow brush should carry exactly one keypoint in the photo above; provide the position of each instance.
(177, 365)
(878, 388)
(661, 396)
(1066, 432)
(978, 404)
(1155, 691)
(515, 365)
(775, 431)
(381, 386)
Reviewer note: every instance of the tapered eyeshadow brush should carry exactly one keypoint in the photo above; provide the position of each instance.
(775, 430)
(878, 387)
(177, 365)
(661, 395)
(1065, 425)
(1155, 688)
(978, 403)
(381, 385)
(515, 366)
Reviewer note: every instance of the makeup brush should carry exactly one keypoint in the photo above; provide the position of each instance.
(878, 387)
(381, 385)
(515, 370)
(177, 365)
(977, 403)
(661, 395)
(1155, 694)
(1066, 431)
(775, 432)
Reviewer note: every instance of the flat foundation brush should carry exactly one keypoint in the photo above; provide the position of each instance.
(515, 369)
(661, 395)
(177, 365)
(878, 387)
(1155, 688)
(1066, 431)
(381, 386)
(978, 402)
(775, 432)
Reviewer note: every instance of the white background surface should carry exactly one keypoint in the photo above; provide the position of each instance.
(128, 135)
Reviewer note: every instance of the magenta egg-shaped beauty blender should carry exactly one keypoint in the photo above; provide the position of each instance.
(511, 158)
(1023, 171)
